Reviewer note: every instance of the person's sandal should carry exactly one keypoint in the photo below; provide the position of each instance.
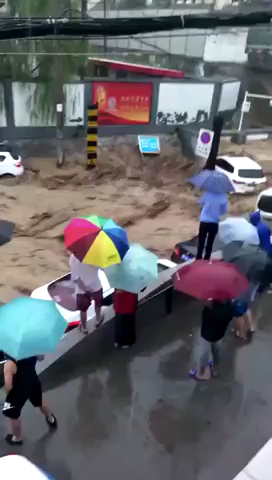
(9, 439)
(100, 321)
(237, 335)
(53, 423)
(83, 330)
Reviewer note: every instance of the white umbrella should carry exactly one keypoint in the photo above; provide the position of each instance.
(235, 229)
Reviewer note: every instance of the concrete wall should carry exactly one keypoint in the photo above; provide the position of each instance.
(174, 103)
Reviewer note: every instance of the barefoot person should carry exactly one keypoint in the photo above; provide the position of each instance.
(216, 317)
(21, 383)
(87, 288)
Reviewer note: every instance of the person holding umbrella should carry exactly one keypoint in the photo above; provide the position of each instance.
(21, 383)
(214, 206)
(216, 283)
(263, 230)
(138, 268)
(251, 261)
(215, 319)
(88, 288)
(242, 249)
(214, 201)
(27, 326)
(94, 243)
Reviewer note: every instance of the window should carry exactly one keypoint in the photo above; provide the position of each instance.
(265, 203)
(2, 158)
(251, 173)
(221, 163)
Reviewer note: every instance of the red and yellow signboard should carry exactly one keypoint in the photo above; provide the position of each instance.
(122, 103)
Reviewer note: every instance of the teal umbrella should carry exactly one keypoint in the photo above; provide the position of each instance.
(138, 268)
(29, 327)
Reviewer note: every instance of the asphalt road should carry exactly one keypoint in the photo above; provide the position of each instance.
(136, 414)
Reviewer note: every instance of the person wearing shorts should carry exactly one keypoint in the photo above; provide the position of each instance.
(88, 288)
(244, 323)
(216, 316)
(21, 384)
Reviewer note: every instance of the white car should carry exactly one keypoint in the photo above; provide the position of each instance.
(245, 174)
(10, 164)
(264, 203)
(61, 291)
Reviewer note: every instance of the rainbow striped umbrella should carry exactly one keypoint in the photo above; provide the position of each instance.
(96, 240)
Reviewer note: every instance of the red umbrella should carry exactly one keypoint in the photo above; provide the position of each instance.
(210, 279)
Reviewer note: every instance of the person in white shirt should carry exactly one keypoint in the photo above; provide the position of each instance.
(87, 288)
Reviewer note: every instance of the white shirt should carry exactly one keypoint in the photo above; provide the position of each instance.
(86, 273)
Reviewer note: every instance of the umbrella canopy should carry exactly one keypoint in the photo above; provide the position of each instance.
(212, 181)
(210, 279)
(235, 229)
(96, 240)
(250, 260)
(6, 231)
(29, 327)
(138, 268)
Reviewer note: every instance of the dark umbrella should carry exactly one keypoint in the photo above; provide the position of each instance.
(212, 181)
(250, 260)
(6, 231)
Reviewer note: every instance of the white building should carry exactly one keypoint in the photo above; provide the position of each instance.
(227, 46)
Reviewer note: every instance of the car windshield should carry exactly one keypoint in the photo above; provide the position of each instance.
(265, 203)
(251, 173)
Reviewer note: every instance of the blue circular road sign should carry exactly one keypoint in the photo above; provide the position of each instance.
(205, 137)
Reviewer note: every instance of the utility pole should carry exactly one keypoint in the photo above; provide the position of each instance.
(217, 129)
(59, 93)
(84, 8)
(105, 16)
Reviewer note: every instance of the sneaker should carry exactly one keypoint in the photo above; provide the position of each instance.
(51, 421)
(12, 440)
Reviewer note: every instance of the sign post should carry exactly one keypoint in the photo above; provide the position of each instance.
(149, 145)
(204, 143)
(92, 136)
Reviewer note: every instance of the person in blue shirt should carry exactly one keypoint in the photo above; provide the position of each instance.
(263, 230)
(214, 206)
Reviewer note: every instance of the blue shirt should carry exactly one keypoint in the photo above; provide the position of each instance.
(214, 206)
(263, 230)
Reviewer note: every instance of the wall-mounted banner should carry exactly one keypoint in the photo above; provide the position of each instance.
(184, 103)
(122, 103)
(148, 144)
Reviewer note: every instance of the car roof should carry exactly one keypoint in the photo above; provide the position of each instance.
(241, 162)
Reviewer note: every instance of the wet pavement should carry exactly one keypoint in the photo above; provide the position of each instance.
(136, 414)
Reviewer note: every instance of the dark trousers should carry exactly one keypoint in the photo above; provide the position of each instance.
(124, 329)
(206, 236)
